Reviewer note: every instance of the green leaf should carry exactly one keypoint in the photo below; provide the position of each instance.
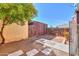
(17, 12)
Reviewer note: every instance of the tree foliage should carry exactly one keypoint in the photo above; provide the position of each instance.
(17, 12)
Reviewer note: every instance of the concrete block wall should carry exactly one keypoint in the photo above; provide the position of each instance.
(14, 32)
(37, 28)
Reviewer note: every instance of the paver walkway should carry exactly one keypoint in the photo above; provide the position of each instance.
(53, 44)
(29, 44)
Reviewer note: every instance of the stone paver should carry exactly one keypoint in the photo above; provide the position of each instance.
(32, 52)
(47, 50)
(16, 53)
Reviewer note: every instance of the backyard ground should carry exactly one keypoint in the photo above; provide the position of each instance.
(31, 44)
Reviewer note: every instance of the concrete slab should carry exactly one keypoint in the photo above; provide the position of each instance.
(32, 52)
(47, 51)
(59, 46)
(41, 40)
(56, 45)
(16, 53)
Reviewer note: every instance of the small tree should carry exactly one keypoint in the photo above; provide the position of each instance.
(17, 13)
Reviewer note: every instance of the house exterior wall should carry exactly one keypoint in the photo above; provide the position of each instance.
(78, 30)
(73, 38)
(78, 17)
(37, 28)
(74, 34)
(14, 32)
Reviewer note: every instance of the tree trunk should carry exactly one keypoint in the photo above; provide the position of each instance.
(2, 28)
(3, 39)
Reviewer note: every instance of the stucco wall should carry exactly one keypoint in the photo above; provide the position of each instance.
(14, 32)
(73, 36)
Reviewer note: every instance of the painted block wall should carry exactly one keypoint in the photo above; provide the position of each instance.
(14, 32)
